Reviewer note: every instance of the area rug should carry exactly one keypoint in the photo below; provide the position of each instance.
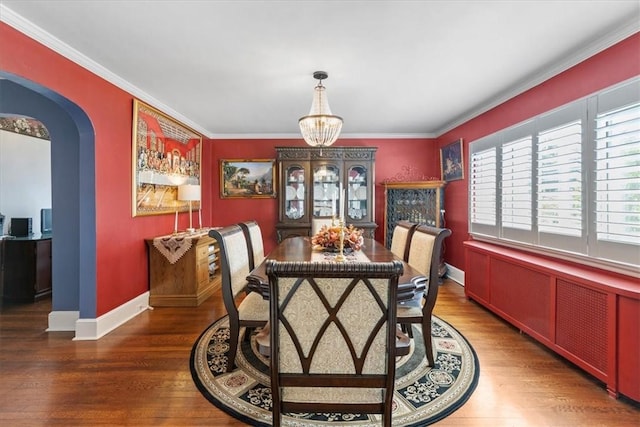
(423, 394)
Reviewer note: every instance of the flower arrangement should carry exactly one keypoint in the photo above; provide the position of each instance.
(328, 237)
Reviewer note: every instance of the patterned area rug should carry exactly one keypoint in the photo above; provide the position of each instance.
(423, 395)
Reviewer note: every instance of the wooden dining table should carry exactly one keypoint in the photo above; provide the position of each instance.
(301, 249)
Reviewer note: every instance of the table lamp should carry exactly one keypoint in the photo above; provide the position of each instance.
(189, 193)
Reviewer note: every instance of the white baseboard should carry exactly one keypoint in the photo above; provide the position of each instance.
(93, 329)
(63, 320)
(455, 274)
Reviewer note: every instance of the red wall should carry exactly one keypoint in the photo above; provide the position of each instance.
(616, 64)
(391, 157)
(121, 253)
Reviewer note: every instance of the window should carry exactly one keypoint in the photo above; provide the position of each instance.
(566, 181)
(560, 180)
(618, 175)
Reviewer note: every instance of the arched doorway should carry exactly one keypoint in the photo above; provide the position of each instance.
(72, 194)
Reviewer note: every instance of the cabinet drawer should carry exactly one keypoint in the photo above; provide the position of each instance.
(202, 252)
(202, 273)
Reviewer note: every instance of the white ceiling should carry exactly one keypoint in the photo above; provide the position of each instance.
(233, 69)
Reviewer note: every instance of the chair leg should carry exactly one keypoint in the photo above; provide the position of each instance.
(247, 333)
(407, 329)
(276, 415)
(428, 342)
(234, 331)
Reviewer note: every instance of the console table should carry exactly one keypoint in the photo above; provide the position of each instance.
(25, 268)
(183, 269)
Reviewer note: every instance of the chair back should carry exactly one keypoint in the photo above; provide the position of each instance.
(234, 263)
(255, 244)
(402, 233)
(333, 336)
(425, 252)
(318, 223)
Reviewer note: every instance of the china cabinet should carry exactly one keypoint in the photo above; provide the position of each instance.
(317, 184)
(415, 201)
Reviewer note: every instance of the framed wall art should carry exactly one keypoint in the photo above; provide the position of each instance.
(166, 154)
(247, 178)
(452, 161)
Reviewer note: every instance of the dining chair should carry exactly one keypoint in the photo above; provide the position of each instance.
(333, 336)
(251, 311)
(425, 250)
(318, 223)
(402, 233)
(255, 244)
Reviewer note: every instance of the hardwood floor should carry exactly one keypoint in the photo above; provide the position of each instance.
(138, 375)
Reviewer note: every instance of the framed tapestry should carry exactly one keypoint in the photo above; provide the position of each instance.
(247, 178)
(166, 154)
(451, 161)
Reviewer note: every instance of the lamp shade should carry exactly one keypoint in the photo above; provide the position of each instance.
(189, 192)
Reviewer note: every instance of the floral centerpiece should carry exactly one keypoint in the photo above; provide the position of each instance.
(328, 237)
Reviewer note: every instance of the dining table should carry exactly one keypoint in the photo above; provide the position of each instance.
(300, 248)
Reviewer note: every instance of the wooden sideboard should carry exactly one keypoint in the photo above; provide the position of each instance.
(25, 268)
(588, 316)
(188, 280)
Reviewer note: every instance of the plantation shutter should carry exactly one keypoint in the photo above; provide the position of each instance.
(564, 182)
(617, 174)
(483, 184)
(561, 193)
(516, 188)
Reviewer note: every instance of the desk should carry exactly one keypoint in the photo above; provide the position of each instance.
(300, 249)
(25, 268)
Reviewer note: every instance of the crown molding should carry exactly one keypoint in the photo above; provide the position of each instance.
(341, 137)
(28, 28)
(631, 27)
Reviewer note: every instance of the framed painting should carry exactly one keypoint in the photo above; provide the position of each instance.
(166, 154)
(247, 178)
(452, 161)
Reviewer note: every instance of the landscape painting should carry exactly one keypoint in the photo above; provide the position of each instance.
(247, 178)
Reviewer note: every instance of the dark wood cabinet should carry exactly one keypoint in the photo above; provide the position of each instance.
(25, 265)
(310, 181)
(416, 201)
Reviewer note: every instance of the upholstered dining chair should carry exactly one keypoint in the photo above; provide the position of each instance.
(252, 310)
(425, 250)
(402, 233)
(333, 336)
(255, 244)
(318, 223)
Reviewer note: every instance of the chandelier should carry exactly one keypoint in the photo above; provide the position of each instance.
(320, 128)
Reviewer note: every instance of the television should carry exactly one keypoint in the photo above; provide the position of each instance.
(46, 226)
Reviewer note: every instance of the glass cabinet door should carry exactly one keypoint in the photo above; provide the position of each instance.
(357, 193)
(294, 198)
(326, 191)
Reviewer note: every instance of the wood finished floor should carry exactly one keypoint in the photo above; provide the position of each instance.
(138, 375)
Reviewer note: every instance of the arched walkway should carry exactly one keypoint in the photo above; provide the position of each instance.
(73, 195)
